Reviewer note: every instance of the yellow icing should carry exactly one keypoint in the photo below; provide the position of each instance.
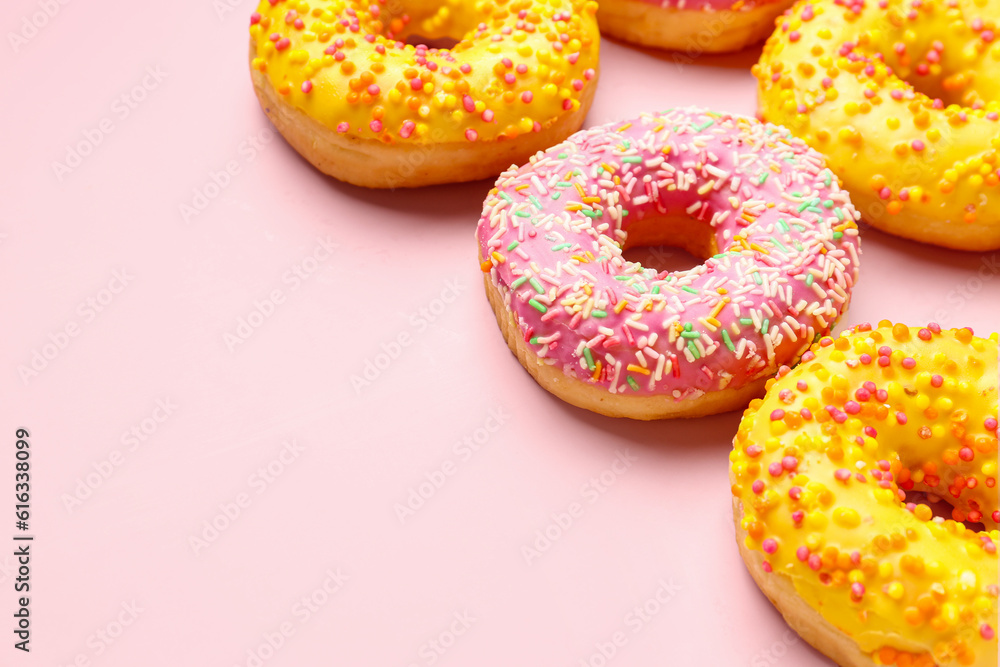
(930, 585)
(517, 67)
(858, 82)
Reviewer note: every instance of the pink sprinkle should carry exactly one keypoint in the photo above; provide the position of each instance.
(871, 432)
(526, 97)
(852, 407)
(407, 129)
(924, 334)
(842, 474)
(794, 36)
(909, 362)
(865, 359)
(509, 77)
(857, 590)
(416, 83)
(802, 553)
(990, 424)
(343, 127)
(798, 515)
(375, 125)
(917, 145)
(769, 546)
(777, 414)
(806, 414)
(884, 465)
(465, 68)
(754, 451)
(766, 566)
(283, 44)
(789, 463)
(815, 562)
(307, 86)
(589, 74)
(774, 469)
(801, 385)
(985, 631)
(758, 487)
(255, 18)
(471, 134)
(795, 492)
(374, 90)
(937, 381)
(487, 116)
(966, 454)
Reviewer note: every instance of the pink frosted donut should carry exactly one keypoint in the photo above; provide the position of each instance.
(778, 233)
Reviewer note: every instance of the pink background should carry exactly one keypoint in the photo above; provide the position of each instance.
(162, 336)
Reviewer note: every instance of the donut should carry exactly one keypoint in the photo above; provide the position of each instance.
(820, 469)
(777, 233)
(903, 98)
(706, 26)
(340, 83)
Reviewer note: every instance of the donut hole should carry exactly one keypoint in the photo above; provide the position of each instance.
(440, 43)
(940, 508)
(940, 75)
(668, 244)
(662, 258)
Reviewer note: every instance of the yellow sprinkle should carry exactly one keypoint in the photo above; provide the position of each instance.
(620, 306)
(637, 369)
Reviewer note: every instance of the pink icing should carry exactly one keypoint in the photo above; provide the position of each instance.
(786, 233)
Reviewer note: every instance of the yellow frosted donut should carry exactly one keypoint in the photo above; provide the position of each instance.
(903, 97)
(819, 471)
(339, 81)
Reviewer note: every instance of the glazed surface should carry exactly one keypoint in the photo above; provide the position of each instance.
(779, 236)
(821, 467)
(903, 97)
(516, 68)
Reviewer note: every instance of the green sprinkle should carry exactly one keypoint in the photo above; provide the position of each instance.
(561, 246)
(828, 203)
(537, 285)
(728, 341)
(598, 313)
(520, 281)
(828, 179)
(746, 321)
(627, 144)
(506, 198)
(589, 357)
(837, 235)
(522, 214)
(803, 206)
(838, 213)
(589, 214)
(779, 244)
(632, 159)
(783, 225)
(756, 278)
(689, 290)
(694, 350)
(538, 306)
(632, 383)
(562, 156)
(624, 212)
(809, 280)
(513, 244)
(534, 340)
(623, 277)
(564, 184)
(534, 201)
(690, 334)
(656, 289)
(688, 326)
(815, 209)
(763, 177)
(556, 195)
(703, 126)
(765, 326)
